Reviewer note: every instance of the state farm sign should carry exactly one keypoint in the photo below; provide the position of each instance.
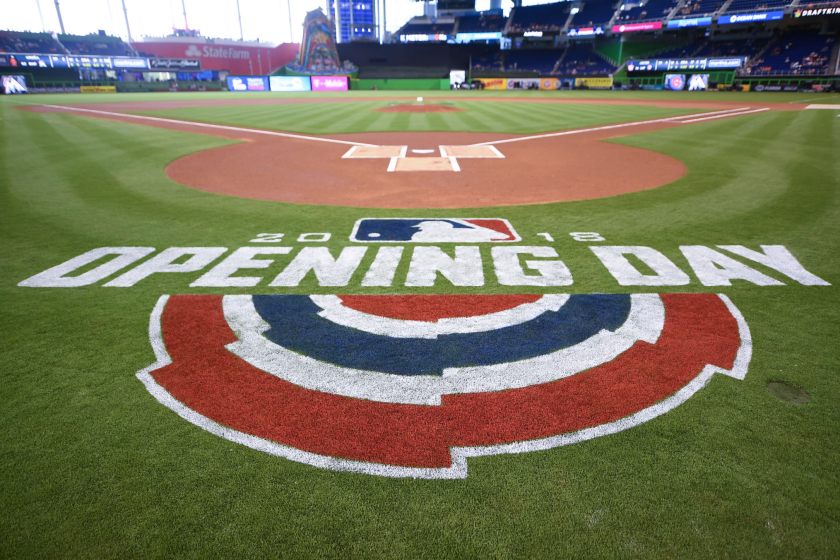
(243, 60)
(216, 52)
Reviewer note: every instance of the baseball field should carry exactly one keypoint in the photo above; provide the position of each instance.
(479, 325)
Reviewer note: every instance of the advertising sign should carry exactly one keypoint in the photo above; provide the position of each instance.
(289, 83)
(130, 63)
(329, 83)
(523, 83)
(27, 61)
(817, 12)
(422, 37)
(730, 63)
(238, 58)
(684, 64)
(175, 64)
(76, 89)
(698, 82)
(551, 83)
(690, 22)
(486, 36)
(750, 18)
(675, 82)
(494, 83)
(585, 31)
(594, 83)
(247, 83)
(13, 85)
(643, 26)
(98, 89)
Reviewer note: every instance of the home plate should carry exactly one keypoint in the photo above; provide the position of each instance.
(423, 164)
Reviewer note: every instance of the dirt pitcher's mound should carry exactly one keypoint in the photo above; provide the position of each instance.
(419, 108)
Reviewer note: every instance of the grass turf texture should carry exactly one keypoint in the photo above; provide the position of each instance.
(94, 467)
(478, 116)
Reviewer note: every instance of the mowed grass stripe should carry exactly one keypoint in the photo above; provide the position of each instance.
(479, 116)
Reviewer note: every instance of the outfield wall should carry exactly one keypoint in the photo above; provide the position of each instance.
(399, 83)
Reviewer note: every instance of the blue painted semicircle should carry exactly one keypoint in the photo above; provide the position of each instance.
(296, 325)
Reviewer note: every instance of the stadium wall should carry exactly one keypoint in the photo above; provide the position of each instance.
(404, 84)
(419, 55)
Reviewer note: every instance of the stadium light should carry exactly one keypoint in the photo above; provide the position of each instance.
(41, 15)
(127, 27)
(60, 21)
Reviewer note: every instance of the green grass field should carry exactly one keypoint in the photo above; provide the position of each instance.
(360, 116)
(93, 467)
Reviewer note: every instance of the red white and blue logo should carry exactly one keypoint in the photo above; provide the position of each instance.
(412, 386)
(433, 230)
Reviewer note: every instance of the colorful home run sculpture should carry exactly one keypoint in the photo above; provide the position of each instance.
(318, 54)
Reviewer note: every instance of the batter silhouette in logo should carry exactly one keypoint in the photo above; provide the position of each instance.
(440, 230)
(415, 385)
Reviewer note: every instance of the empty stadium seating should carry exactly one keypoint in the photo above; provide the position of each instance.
(581, 59)
(756, 5)
(481, 24)
(424, 26)
(94, 45)
(701, 7)
(541, 61)
(26, 42)
(546, 17)
(741, 47)
(653, 9)
(795, 53)
(594, 12)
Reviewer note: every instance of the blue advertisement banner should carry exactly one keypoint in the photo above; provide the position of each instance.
(485, 36)
(690, 22)
(682, 64)
(290, 83)
(749, 18)
(585, 31)
(131, 63)
(247, 83)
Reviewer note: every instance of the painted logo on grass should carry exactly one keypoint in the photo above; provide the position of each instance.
(433, 230)
(412, 386)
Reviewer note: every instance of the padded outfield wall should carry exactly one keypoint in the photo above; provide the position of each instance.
(397, 83)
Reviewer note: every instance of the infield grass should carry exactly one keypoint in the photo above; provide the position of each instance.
(476, 116)
(93, 467)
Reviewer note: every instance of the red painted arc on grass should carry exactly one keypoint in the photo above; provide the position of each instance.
(433, 308)
(211, 381)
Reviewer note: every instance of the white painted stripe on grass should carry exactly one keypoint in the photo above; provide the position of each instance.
(832, 96)
(608, 127)
(333, 309)
(744, 355)
(216, 126)
(645, 322)
(725, 116)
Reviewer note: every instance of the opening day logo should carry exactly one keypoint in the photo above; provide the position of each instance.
(413, 385)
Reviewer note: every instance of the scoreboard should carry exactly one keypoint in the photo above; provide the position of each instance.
(689, 64)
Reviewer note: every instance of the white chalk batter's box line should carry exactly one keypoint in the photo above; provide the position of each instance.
(351, 153)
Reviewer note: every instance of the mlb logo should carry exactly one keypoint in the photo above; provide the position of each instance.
(433, 230)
